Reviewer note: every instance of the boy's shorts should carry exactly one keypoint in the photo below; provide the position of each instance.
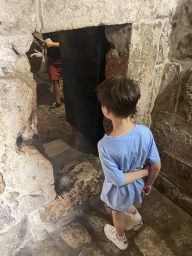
(113, 209)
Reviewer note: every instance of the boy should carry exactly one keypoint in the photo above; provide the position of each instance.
(123, 153)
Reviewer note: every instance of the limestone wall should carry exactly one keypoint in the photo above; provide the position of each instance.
(26, 177)
(172, 115)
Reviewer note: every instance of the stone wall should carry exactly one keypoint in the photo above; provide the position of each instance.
(26, 177)
(172, 115)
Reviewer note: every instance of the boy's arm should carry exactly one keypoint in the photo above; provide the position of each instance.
(133, 176)
(114, 175)
(153, 173)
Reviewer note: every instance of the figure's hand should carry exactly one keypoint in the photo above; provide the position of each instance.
(146, 190)
(50, 43)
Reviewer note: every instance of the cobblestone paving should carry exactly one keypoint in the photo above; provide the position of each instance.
(167, 229)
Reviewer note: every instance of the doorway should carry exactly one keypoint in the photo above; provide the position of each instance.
(83, 54)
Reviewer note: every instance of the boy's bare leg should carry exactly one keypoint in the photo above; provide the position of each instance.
(118, 221)
(132, 210)
(56, 90)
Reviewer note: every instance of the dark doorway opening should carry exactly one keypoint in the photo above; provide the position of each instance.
(88, 55)
(69, 134)
(83, 53)
(79, 122)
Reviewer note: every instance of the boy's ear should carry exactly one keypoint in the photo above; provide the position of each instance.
(106, 111)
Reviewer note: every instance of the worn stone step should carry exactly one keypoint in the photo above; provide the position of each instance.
(177, 169)
(74, 184)
(170, 131)
(174, 193)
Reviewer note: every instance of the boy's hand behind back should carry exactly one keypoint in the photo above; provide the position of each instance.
(146, 190)
(154, 170)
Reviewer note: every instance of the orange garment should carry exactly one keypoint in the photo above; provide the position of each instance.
(54, 69)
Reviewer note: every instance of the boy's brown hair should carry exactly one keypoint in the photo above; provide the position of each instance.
(119, 94)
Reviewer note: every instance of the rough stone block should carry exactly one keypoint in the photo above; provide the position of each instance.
(7, 58)
(180, 40)
(184, 47)
(177, 170)
(24, 252)
(30, 172)
(72, 15)
(185, 202)
(5, 215)
(86, 183)
(12, 239)
(1, 177)
(30, 203)
(173, 193)
(167, 218)
(142, 58)
(22, 44)
(164, 44)
(86, 175)
(37, 230)
(90, 251)
(182, 235)
(7, 54)
(98, 224)
(74, 174)
(17, 16)
(167, 95)
(11, 197)
(75, 235)
(158, 72)
(167, 188)
(170, 132)
(2, 184)
(22, 65)
(55, 147)
(117, 58)
(96, 202)
(17, 103)
(185, 100)
(47, 247)
(150, 243)
(151, 10)
(2, 148)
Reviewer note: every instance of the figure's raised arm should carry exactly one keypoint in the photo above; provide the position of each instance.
(51, 44)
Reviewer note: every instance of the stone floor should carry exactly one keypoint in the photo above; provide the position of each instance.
(166, 229)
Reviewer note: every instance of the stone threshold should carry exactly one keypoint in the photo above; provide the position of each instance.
(175, 193)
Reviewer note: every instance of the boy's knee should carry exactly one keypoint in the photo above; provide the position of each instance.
(114, 212)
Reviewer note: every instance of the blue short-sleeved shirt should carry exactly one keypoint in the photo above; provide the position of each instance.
(125, 154)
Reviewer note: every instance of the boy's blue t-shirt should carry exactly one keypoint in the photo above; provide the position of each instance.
(124, 154)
